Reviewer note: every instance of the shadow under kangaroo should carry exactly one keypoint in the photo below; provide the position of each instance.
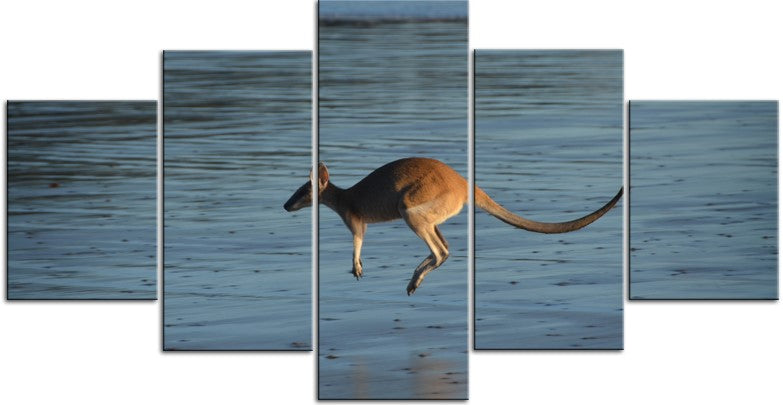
(423, 192)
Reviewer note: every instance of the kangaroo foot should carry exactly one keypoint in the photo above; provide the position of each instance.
(414, 284)
(427, 265)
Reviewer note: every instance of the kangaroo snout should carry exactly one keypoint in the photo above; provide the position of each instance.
(303, 197)
(293, 204)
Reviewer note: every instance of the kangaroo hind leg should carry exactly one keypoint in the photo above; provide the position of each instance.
(439, 252)
(442, 240)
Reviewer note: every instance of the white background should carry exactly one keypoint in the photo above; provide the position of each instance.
(675, 352)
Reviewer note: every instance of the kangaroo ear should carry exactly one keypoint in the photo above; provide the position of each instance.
(323, 175)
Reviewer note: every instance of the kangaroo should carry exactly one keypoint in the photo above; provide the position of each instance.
(424, 193)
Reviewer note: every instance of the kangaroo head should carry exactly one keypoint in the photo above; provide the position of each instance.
(303, 197)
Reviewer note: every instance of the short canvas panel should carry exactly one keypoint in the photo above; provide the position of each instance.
(237, 136)
(548, 142)
(704, 199)
(81, 200)
(393, 85)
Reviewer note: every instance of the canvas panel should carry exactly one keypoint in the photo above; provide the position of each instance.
(548, 142)
(237, 136)
(393, 85)
(81, 200)
(704, 205)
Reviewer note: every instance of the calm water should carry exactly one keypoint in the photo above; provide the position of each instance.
(374, 11)
(237, 144)
(548, 147)
(388, 91)
(704, 200)
(81, 200)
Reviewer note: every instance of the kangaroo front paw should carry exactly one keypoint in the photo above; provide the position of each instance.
(357, 271)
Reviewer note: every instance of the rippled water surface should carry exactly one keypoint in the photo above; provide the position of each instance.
(81, 200)
(388, 90)
(548, 147)
(237, 138)
(704, 200)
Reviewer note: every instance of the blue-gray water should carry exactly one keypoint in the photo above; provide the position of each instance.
(81, 200)
(373, 11)
(390, 90)
(704, 200)
(237, 136)
(549, 147)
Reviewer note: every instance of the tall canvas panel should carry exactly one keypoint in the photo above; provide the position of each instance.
(548, 142)
(237, 135)
(392, 88)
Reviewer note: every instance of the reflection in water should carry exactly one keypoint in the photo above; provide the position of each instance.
(389, 89)
(81, 200)
(424, 372)
(431, 381)
(361, 378)
(422, 375)
(548, 147)
(704, 200)
(237, 144)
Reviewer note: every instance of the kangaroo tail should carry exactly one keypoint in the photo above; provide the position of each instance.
(486, 203)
